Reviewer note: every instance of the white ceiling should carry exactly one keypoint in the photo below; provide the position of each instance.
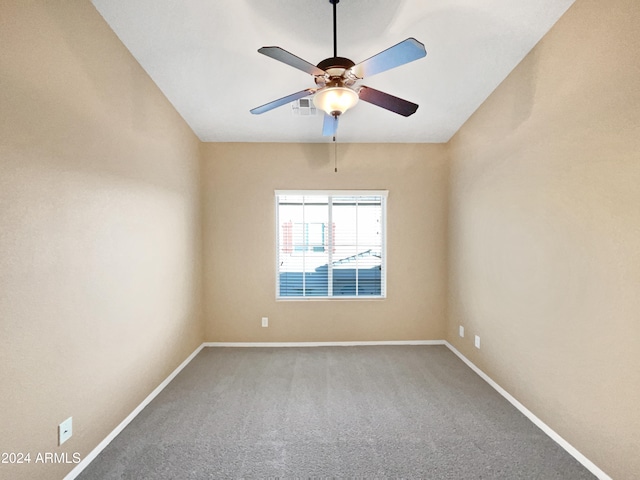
(203, 55)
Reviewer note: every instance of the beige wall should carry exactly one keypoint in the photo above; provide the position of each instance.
(99, 232)
(545, 233)
(239, 237)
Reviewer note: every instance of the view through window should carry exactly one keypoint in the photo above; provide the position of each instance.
(330, 244)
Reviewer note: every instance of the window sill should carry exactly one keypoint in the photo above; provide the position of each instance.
(330, 299)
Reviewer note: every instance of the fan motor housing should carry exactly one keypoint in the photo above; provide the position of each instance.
(335, 62)
(335, 68)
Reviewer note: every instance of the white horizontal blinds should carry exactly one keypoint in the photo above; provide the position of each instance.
(302, 245)
(330, 245)
(358, 255)
(370, 245)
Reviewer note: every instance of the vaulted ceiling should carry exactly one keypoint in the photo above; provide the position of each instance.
(203, 55)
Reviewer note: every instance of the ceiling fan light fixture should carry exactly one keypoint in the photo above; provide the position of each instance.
(335, 100)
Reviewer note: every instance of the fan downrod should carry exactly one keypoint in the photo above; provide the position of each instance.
(335, 28)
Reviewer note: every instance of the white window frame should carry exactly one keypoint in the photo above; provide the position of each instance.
(384, 194)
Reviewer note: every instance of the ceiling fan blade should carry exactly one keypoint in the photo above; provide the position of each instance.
(283, 56)
(388, 102)
(404, 52)
(330, 125)
(283, 101)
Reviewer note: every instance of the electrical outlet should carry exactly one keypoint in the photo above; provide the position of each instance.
(65, 430)
(265, 321)
(461, 331)
(477, 341)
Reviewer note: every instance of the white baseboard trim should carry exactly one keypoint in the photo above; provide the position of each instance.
(323, 344)
(103, 444)
(588, 464)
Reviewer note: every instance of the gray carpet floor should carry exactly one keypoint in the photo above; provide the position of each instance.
(331, 412)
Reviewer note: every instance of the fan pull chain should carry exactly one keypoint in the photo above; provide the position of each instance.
(335, 155)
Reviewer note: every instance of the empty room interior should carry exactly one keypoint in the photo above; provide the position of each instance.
(142, 262)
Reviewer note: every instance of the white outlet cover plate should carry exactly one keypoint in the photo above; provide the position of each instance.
(461, 331)
(265, 321)
(65, 430)
(477, 342)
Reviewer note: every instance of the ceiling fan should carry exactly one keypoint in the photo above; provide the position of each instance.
(337, 79)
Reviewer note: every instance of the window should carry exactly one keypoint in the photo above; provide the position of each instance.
(330, 244)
